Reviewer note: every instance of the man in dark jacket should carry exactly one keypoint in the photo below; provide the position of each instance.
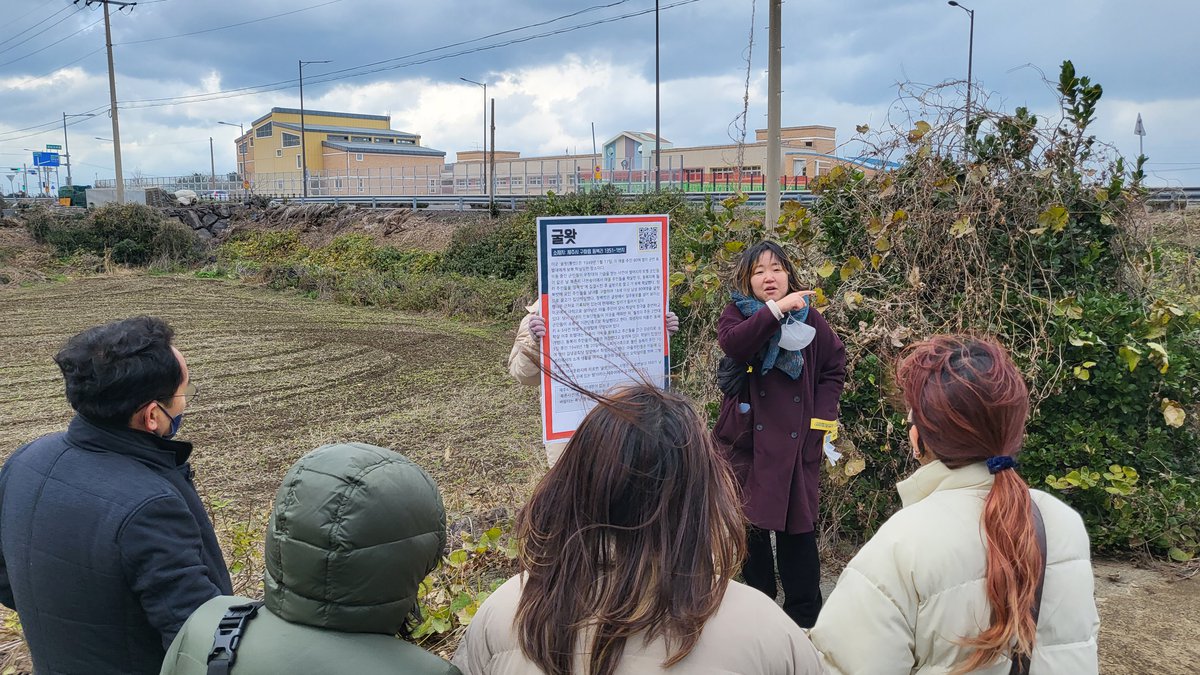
(354, 530)
(105, 547)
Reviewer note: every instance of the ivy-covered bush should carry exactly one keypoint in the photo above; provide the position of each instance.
(131, 234)
(506, 248)
(1020, 229)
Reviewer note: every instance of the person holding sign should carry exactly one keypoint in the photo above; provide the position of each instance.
(523, 359)
(779, 412)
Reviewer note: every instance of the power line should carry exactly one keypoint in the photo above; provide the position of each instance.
(38, 51)
(167, 37)
(282, 84)
(285, 84)
(77, 10)
(17, 20)
(232, 25)
(69, 63)
(54, 124)
(486, 37)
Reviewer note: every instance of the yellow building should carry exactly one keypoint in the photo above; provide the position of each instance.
(346, 153)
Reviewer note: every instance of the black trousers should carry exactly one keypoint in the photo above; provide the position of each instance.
(799, 571)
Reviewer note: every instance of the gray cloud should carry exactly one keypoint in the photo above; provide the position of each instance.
(842, 61)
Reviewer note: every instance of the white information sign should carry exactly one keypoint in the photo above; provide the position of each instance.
(603, 286)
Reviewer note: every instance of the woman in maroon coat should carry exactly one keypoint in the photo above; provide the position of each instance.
(774, 427)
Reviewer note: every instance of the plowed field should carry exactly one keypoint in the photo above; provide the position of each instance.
(280, 375)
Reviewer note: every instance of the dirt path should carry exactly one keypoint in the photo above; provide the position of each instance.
(280, 375)
(1149, 619)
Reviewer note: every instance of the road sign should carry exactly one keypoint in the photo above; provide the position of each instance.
(1138, 129)
(45, 159)
(50, 146)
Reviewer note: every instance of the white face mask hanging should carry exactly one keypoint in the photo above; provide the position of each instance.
(795, 335)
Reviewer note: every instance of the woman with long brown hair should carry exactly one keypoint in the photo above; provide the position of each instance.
(976, 573)
(627, 550)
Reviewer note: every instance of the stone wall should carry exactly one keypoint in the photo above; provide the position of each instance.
(208, 221)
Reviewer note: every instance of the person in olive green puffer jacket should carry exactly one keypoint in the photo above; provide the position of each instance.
(354, 531)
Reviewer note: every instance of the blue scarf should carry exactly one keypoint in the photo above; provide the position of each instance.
(791, 363)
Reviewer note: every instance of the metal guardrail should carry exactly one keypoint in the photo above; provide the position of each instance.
(1182, 197)
(1185, 196)
(512, 202)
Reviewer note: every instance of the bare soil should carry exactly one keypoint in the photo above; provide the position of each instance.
(280, 375)
(1149, 618)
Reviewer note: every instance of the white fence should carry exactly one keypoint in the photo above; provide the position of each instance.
(511, 178)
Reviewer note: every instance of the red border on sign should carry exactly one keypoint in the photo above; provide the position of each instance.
(664, 235)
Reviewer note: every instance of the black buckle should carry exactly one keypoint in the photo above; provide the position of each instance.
(229, 633)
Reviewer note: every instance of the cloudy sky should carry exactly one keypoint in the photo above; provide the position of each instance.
(555, 67)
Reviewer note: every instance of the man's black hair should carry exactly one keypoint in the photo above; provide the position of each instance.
(113, 370)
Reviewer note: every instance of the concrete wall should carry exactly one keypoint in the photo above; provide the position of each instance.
(102, 196)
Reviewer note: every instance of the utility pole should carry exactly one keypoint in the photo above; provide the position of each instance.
(492, 172)
(596, 158)
(66, 149)
(483, 158)
(774, 141)
(212, 166)
(66, 145)
(241, 152)
(112, 91)
(657, 119)
(970, 63)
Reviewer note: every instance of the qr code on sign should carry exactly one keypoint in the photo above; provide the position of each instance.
(647, 238)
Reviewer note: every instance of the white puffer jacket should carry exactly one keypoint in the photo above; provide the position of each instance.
(917, 586)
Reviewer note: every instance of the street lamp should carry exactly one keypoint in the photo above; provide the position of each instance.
(303, 154)
(970, 58)
(67, 146)
(483, 159)
(26, 171)
(241, 148)
(106, 140)
(657, 129)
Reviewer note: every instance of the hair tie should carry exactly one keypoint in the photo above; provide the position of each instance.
(1000, 463)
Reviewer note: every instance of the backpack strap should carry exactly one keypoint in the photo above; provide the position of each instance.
(1021, 663)
(228, 636)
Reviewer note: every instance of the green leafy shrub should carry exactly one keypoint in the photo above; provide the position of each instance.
(500, 249)
(40, 221)
(353, 270)
(1033, 241)
(451, 595)
(506, 248)
(131, 234)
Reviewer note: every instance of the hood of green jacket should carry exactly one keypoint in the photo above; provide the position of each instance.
(354, 531)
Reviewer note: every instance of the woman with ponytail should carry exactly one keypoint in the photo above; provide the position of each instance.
(976, 573)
